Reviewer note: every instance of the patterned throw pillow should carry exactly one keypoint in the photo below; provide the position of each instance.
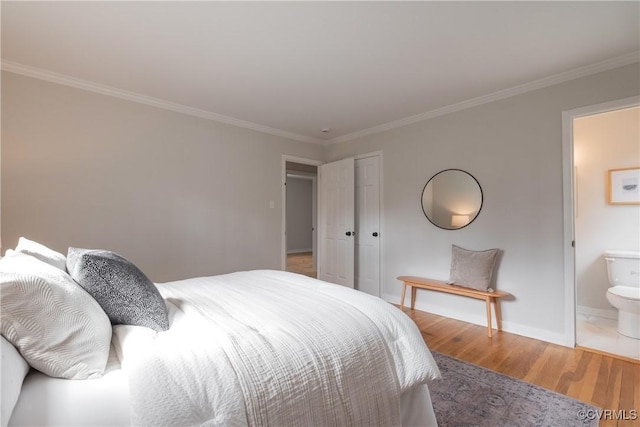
(57, 327)
(122, 290)
(472, 269)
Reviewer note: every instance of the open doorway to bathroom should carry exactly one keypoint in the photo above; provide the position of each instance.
(602, 141)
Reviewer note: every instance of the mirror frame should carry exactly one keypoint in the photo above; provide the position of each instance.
(479, 208)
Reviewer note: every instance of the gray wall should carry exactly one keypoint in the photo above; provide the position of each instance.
(179, 196)
(182, 196)
(299, 216)
(514, 149)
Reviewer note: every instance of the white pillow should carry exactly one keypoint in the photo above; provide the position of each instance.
(42, 252)
(14, 369)
(54, 323)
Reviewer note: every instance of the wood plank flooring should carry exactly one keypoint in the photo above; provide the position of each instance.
(603, 381)
(301, 263)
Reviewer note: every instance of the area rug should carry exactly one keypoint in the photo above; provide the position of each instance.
(468, 395)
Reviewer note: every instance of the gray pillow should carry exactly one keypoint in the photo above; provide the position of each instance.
(122, 290)
(472, 269)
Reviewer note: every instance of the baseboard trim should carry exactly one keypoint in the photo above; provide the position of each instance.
(299, 251)
(481, 320)
(598, 312)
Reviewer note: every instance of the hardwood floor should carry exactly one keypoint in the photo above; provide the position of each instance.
(603, 381)
(301, 263)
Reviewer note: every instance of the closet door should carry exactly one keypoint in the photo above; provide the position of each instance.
(336, 222)
(367, 207)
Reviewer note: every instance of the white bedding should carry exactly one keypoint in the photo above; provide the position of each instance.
(256, 348)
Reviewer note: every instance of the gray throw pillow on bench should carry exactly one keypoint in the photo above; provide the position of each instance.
(125, 294)
(472, 269)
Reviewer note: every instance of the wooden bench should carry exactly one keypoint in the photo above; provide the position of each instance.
(440, 286)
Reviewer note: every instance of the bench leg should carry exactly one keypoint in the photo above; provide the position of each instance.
(413, 297)
(496, 309)
(488, 304)
(404, 288)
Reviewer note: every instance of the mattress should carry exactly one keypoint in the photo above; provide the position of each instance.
(47, 401)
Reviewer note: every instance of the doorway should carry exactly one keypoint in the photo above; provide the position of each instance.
(364, 227)
(349, 223)
(597, 139)
(299, 215)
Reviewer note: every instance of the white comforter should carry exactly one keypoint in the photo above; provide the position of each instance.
(272, 348)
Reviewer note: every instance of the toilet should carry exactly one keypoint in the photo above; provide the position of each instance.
(623, 268)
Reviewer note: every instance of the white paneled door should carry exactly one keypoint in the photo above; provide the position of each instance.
(349, 223)
(336, 241)
(367, 241)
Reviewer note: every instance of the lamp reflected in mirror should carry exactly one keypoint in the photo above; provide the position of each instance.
(458, 221)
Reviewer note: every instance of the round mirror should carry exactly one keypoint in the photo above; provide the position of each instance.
(452, 199)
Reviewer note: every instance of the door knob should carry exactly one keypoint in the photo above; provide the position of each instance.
(375, 234)
(348, 233)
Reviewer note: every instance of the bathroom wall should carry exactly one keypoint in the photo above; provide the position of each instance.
(602, 142)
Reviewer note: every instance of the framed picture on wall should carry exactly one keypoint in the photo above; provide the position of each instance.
(624, 186)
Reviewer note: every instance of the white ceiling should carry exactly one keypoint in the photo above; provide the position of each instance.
(297, 67)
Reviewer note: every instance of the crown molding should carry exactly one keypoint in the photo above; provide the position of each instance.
(42, 74)
(587, 70)
(62, 79)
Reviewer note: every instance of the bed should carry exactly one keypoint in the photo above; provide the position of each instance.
(256, 347)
